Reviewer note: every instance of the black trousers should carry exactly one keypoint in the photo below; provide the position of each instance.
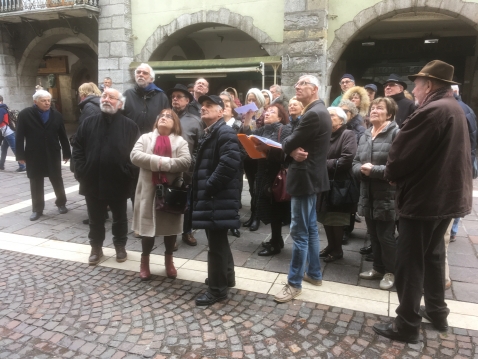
(37, 188)
(384, 244)
(250, 169)
(220, 263)
(188, 220)
(96, 212)
(420, 266)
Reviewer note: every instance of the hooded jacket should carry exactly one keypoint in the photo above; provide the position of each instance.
(90, 106)
(364, 99)
(144, 107)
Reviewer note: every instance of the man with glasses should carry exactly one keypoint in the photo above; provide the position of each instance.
(393, 88)
(192, 130)
(307, 175)
(103, 167)
(347, 81)
(145, 101)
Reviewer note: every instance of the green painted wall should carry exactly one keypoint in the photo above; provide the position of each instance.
(147, 15)
(345, 10)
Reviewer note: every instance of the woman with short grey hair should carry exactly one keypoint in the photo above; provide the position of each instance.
(354, 120)
(343, 147)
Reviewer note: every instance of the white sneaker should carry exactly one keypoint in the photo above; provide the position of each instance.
(287, 293)
(387, 281)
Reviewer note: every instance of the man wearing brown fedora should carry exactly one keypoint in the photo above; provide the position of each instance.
(430, 163)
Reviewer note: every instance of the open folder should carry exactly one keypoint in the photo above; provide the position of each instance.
(250, 143)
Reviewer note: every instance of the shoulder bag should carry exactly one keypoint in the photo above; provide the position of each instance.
(342, 191)
(278, 188)
(171, 198)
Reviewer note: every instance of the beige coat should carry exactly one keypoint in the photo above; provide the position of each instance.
(146, 220)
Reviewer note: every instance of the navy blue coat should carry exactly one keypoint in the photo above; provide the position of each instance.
(472, 126)
(216, 193)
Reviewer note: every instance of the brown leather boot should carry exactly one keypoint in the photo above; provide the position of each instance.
(189, 239)
(171, 272)
(144, 272)
(121, 255)
(95, 255)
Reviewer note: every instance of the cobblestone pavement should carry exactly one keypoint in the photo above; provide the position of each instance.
(59, 309)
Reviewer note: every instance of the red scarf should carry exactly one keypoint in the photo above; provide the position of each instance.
(162, 148)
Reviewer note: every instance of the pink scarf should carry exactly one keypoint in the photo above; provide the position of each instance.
(162, 148)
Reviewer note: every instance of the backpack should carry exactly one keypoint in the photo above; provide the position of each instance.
(12, 119)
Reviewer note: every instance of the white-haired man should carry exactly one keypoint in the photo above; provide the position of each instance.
(103, 167)
(146, 100)
(307, 175)
(278, 96)
(40, 130)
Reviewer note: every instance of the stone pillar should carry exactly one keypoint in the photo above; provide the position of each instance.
(8, 74)
(115, 43)
(305, 42)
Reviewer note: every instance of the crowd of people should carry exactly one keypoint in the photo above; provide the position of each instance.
(404, 165)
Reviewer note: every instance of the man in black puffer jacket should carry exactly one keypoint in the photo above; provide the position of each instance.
(215, 197)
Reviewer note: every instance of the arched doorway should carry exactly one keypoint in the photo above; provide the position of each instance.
(59, 61)
(400, 39)
(218, 45)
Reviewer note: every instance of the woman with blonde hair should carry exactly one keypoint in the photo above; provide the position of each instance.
(359, 96)
(295, 111)
(161, 155)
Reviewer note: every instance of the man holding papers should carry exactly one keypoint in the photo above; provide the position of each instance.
(307, 146)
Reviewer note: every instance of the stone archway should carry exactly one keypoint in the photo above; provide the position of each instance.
(222, 16)
(32, 55)
(468, 12)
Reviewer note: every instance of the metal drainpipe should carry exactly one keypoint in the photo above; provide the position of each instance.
(263, 73)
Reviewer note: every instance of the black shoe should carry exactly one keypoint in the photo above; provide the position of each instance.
(254, 225)
(35, 216)
(62, 209)
(366, 250)
(333, 257)
(345, 238)
(387, 331)
(286, 223)
(86, 221)
(235, 233)
(269, 251)
(325, 252)
(266, 244)
(440, 326)
(230, 283)
(248, 222)
(23, 169)
(208, 299)
(369, 257)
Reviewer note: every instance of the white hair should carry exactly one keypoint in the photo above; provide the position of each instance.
(277, 88)
(41, 93)
(339, 112)
(312, 79)
(259, 96)
(151, 71)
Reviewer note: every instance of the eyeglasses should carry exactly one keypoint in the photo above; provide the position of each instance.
(139, 72)
(390, 84)
(106, 96)
(167, 115)
(303, 83)
(346, 82)
(177, 97)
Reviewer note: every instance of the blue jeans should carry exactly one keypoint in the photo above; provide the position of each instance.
(454, 228)
(305, 234)
(8, 141)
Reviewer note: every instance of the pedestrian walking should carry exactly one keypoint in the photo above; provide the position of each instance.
(429, 156)
(307, 175)
(7, 137)
(161, 155)
(103, 167)
(40, 142)
(215, 202)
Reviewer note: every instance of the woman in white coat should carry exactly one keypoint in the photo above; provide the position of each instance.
(162, 156)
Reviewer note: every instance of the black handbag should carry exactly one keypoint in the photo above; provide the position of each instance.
(171, 198)
(342, 191)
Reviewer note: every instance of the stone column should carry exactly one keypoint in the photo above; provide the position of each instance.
(115, 43)
(9, 88)
(305, 42)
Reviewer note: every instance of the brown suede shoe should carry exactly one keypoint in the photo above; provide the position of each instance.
(189, 239)
(95, 255)
(144, 272)
(121, 255)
